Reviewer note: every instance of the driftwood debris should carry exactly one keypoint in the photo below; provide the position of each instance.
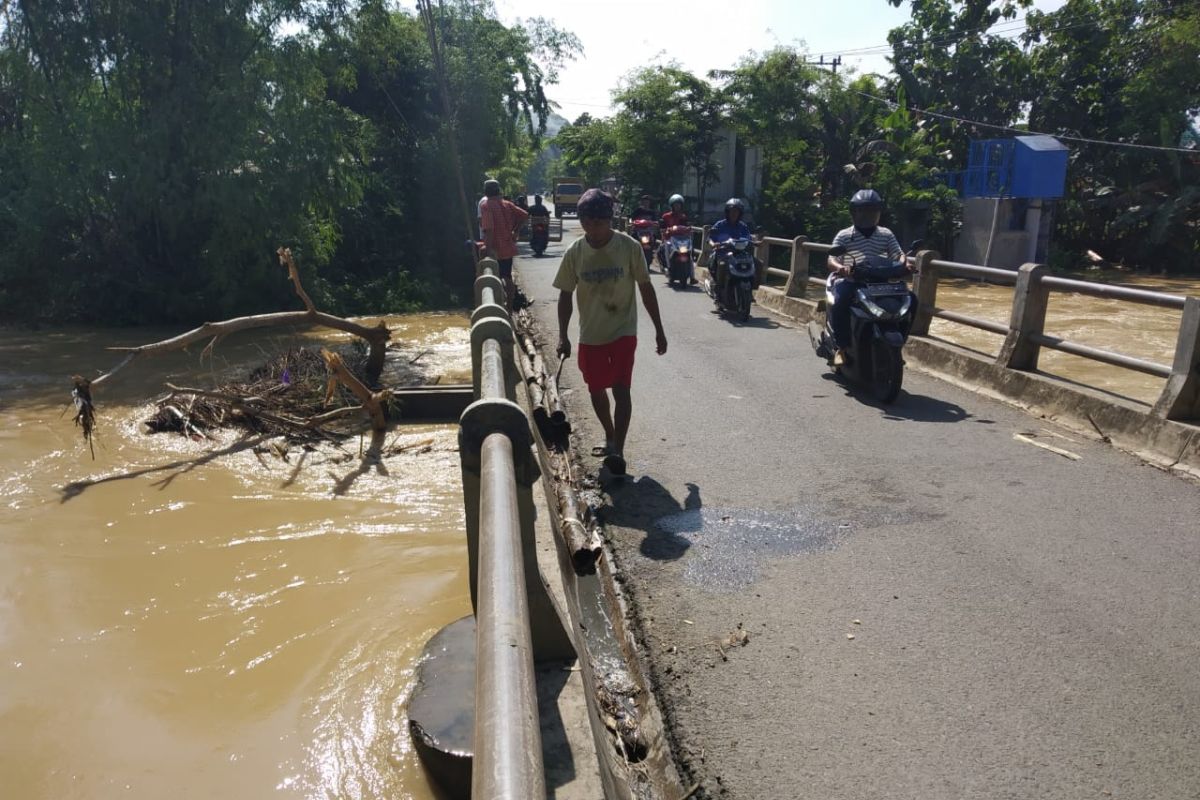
(579, 530)
(276, 397)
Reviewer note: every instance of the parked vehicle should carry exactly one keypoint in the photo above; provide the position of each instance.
(539, 234)
(731, 279)
(567, 192)
(677, 250)
(646, 232)
(881, 316)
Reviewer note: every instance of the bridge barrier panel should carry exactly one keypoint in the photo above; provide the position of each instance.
(516, 622)
(1180, 399)
(1024, 334)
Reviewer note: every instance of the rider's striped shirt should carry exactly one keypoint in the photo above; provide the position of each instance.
(880, 246)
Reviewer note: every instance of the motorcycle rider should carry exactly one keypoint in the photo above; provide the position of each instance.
(676, 216)
(730, 227)
(538, 214)
(865, 241)
(644, 210)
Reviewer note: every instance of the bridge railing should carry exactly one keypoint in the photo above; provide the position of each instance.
(1024, 333)
(515, 621)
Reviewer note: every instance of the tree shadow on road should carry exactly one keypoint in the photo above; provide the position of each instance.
(908, 406)
(640, 504)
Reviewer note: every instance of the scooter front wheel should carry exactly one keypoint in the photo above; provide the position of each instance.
(887, 371)
(744, 297)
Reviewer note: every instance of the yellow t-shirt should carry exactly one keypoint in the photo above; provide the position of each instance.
(603, 279)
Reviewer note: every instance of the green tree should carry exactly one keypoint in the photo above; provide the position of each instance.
(1123, 71)
(587, 148)
(947, 61)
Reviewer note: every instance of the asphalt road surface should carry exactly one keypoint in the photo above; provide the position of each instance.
(934, 608)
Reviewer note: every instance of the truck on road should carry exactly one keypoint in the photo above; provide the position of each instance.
(566, 196)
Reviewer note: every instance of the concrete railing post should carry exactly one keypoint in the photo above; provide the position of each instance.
(1180, 398)
(705, 249)
(1028, 319)
(762, 253)
(925, 288)
(798, 272)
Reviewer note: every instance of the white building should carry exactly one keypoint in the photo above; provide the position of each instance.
(739, 175)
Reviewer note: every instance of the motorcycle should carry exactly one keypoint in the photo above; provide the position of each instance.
(881, 315)
(730, 283)
(678, 252)
(539, 234)
(646, 232)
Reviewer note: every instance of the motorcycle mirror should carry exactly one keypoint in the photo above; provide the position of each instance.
(916, 245)
(837, 250)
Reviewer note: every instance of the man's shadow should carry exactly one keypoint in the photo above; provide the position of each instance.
(645, 504)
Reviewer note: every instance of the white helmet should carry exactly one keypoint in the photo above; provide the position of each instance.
(675, 198)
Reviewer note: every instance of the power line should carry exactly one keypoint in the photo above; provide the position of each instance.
(1009, 29)
(1134, 145)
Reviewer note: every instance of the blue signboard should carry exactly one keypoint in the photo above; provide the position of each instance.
(1024, 166)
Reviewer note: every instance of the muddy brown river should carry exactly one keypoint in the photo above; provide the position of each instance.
(193, 619)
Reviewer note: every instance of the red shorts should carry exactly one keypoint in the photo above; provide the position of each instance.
(607, 365)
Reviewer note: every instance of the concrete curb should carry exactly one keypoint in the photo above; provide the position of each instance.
(1129, 426)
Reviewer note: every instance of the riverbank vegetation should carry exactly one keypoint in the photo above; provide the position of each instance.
(155, 153)
(1121, 72)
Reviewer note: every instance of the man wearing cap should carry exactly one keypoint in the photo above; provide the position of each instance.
(603, 268)
(501, 221)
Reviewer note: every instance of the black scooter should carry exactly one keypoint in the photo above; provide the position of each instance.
(539, 234)
(881, 315)
(734, 260)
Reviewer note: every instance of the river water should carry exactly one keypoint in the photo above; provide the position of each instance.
(1146, 332)
(195, 620)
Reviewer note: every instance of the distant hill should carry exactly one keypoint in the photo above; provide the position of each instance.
(554, 124)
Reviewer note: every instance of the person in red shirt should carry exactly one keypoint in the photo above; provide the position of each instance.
(676, 216)
(501, 221)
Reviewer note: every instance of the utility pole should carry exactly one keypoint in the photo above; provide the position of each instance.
(426, 9)
(833, 64)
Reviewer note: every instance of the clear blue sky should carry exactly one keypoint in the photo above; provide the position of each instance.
(621, 35)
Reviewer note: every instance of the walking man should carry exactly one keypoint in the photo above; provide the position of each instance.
(501, 221)
(603, 268)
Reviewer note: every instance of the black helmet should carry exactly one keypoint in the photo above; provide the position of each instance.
(733, 203)
(537, 198)
(866, 198)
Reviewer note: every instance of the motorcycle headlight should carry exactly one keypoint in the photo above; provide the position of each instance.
(684, 248)
(877, 311)
(645, 240)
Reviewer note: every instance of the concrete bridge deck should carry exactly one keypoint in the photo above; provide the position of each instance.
(934, 608)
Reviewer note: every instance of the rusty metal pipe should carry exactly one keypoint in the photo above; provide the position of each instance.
(508, 742)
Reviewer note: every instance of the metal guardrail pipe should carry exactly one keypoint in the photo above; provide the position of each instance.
(775, 240)
(508, 746)
(1105, 356)
(1005, 277)
(783, 273)
(491, 373)
(974, 322)
(1109, 292)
